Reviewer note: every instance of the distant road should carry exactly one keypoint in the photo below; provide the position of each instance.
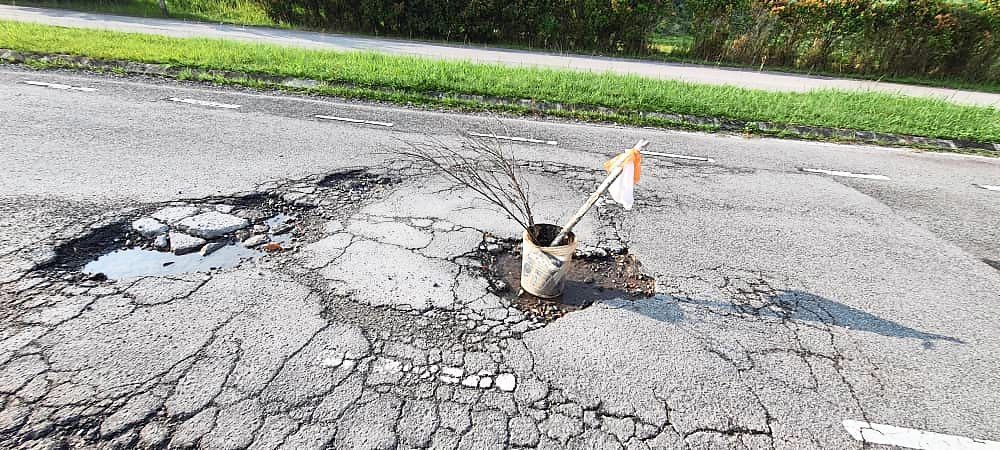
(685, 72)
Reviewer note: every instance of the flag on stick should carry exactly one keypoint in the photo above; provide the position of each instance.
(622, 190)
(633, 158)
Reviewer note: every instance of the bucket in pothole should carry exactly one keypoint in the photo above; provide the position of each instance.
(543, 269)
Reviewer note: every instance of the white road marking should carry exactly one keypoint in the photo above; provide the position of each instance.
(677, 156)
(512, 138)
(910, 438)
(988, 187)
(203, 103)
(64, 87)
(346, 119)
(837, 173)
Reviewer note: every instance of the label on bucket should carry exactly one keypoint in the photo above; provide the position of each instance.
(542, 274)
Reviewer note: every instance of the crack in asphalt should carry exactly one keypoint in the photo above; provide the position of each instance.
(430, 341)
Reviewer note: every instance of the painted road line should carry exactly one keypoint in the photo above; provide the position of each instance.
(838, 173)
(203, 103)
(874, 433)
(677, 156)
(64, 87)
(347, 119)
(988, 187)
(512, 138)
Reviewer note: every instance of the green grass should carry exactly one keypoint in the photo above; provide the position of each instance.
(852, 110)
(240, 12)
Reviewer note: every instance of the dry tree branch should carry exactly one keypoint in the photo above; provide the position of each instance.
(486, 167)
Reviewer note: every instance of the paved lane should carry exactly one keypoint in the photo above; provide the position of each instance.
(788, 301)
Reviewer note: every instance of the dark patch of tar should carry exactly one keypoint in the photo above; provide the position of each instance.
(353, 179)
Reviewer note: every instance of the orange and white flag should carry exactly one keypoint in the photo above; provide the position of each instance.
(622, 188)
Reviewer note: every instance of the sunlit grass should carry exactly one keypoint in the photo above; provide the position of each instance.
(853, 110)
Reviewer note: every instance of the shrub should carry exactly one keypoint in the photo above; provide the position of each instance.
(936, 38)
(602, 25)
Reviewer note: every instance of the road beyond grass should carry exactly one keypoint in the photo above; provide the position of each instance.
(367, 72)
(239, 12)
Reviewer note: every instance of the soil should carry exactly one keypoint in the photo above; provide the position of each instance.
(590, 279)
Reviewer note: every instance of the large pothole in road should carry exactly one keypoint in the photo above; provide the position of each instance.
(213, 233)
(596, 274)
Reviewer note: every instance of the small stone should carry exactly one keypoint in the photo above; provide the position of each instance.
(593, 252)
(149, 227)
(523, 432)
(252, 215)
(212, 224)
(255, 241)
(471, 381)
(485, 382)
(161, 242)
(181, 243)
(225, 209)
(455, 372)
(623, 428)
(448, 379)
(283, 228)
(153, 435)
(506, 382)
(384, 371)
(211, 247)
(334, 360)
(173, 214)
(260, 229)
(493, 248)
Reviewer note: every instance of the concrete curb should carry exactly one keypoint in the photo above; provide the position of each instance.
(529, 105)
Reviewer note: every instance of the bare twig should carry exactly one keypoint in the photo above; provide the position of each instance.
(485, 167)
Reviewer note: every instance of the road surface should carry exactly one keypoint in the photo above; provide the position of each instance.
(788, 303)
(772, 81)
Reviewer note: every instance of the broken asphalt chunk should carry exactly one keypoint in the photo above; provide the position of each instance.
(212, 224)
(181, 243)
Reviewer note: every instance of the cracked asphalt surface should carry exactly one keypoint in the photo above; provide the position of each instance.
(786, 302)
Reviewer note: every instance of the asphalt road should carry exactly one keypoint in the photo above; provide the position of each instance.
(788, 301)
(773, 81)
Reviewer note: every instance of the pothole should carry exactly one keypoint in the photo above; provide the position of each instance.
(596, 274)
(182, 237)
(213, 233)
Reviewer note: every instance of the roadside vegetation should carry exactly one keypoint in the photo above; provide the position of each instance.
(947, 40)
(950, 43)
(371, 72)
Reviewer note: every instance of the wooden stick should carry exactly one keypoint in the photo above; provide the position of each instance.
(615, 173)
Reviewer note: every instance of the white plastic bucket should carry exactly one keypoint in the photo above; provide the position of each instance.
(543, 269)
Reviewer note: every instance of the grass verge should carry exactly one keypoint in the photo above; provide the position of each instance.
(875, 112)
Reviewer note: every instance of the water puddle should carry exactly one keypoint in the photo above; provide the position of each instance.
(142, 262)
(136, 262)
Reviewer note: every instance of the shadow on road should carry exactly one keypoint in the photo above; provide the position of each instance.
(795, 306)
